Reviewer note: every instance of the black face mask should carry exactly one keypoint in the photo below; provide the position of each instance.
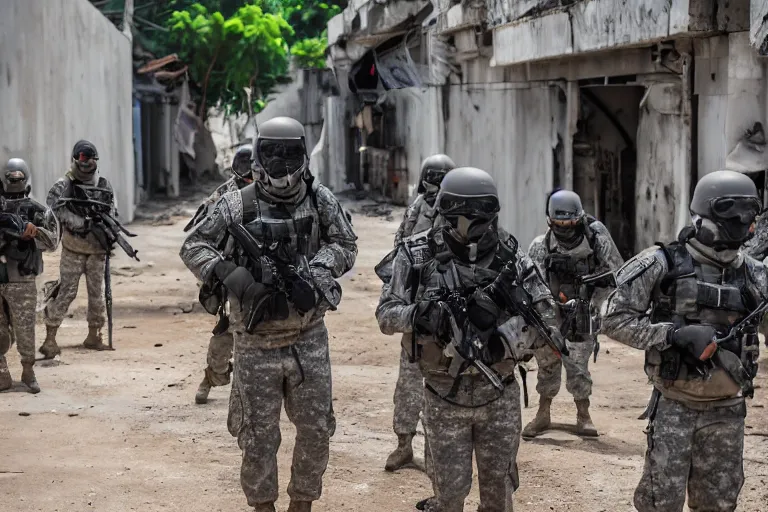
(472, 251)
(281, 158)
(568, 236)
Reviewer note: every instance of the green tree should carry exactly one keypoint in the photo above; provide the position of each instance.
(309, 18)
(310, 52)
(228, 55)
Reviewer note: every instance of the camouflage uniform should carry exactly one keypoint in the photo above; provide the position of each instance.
(595, 254)
(409, 390)
(81, 253)
(696, 429)
(19, 292)
(283, 360)
(466, 414)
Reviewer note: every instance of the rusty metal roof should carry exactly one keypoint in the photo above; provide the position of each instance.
(157, 64)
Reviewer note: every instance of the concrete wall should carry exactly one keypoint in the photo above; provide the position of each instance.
(65, 74)
(506, 130)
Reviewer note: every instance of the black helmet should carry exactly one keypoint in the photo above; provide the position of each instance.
(15, 178)
(241, 162)
(469, 202)
(724, 207)
(565, 217)
(85, 158)
(433, 170)
(281, 153)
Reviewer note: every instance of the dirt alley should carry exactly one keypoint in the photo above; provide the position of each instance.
(119, 431)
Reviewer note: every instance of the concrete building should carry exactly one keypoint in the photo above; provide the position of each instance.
(65, 75)
(628, 103)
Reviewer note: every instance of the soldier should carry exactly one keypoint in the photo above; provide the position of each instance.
(292, 240)
(220, 345)
(575, 246)
(450, 288)
(81, 252)
(409, 391)
(672, 301)
(29, 229)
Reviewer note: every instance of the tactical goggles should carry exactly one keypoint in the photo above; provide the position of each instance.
(741, 208)
(242, 166)
(15, 177)
(479, 206)
(564, 223)
(289, 154)
(87, 154)
(434, 176)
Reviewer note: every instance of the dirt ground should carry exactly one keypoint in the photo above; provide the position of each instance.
(119, 431)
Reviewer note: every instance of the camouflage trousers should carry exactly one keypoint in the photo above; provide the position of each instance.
(73, 266)
(17, 319)
(300, 375)
(409, 396)
(578, 380)
(700, 450)
(491, 431)
(219, 354)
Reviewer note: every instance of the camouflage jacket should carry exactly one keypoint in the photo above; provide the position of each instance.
(398, 301)
(627, 319)
(74, 234)
(418, 217)
(336, 254)
(598, 244)
(47, 238)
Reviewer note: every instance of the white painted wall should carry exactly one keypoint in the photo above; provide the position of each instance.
(65, 74)
(505, 130)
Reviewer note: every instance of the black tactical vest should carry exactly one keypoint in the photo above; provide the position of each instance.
(435, 274)
(288, 233)
(26, 252)
(696, 293)
(563, 268)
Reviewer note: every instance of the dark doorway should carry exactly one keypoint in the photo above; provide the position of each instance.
(605, 158)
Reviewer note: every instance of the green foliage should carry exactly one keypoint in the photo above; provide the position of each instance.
(309, 18)
(310, 53)
(228, 55)
(242, 41)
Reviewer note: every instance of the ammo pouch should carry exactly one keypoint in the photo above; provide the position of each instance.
(268, 304)
(211, 297)
(27, 256)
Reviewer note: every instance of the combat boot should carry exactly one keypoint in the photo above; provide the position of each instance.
(584, 426)
(28, 378)
(49, 348)
(300, 506)
(202, 391)
(542, 421)
(402, 455)
(264, 507)
(93, 341)
(6, 382)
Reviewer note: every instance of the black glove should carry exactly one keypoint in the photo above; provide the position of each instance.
(482, 311)
(302, 293)
(429, 317)
(223, 269)
(692, 338)
(238, 281)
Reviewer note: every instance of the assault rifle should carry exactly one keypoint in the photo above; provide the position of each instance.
(508, 294)
(107, 229)
(281, 283)
(580, 305)
(742, 370)
(465, 343)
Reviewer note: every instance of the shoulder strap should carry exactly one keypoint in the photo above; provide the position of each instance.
(250, 204)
